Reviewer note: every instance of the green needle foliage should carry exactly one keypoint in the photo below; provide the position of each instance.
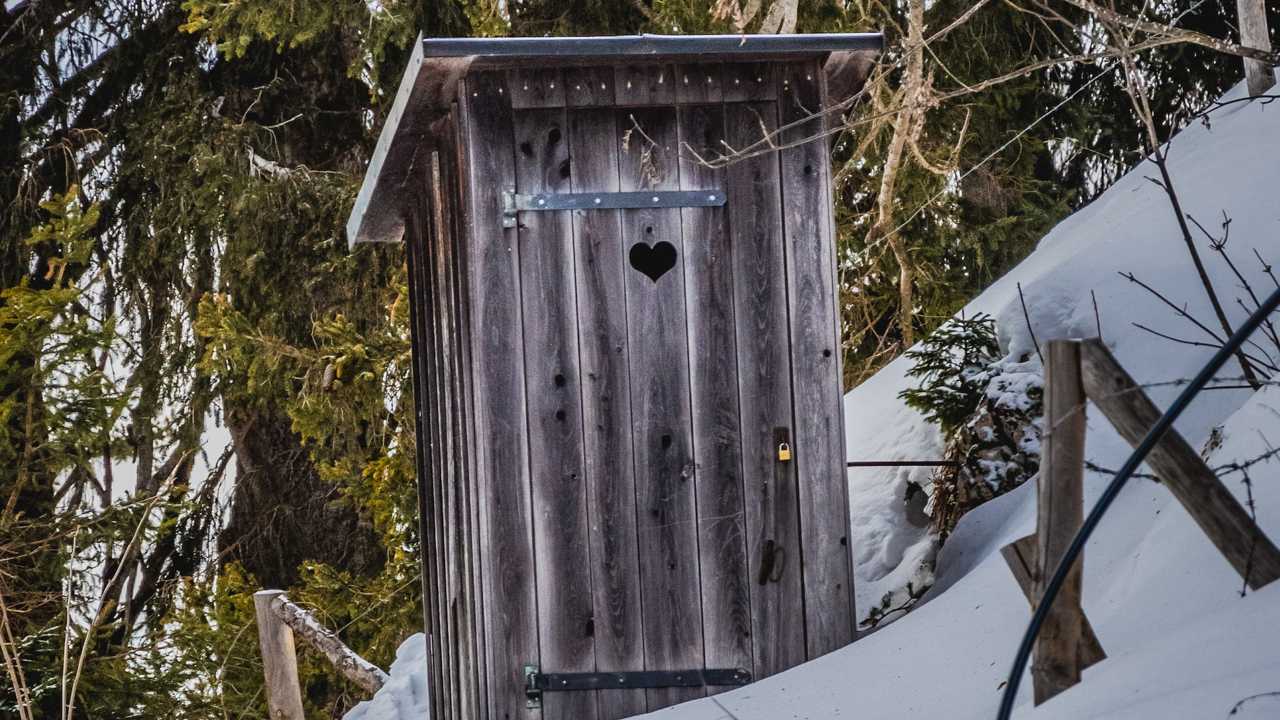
(204, 393)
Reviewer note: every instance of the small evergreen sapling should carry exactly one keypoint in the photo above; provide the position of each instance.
(990, 410)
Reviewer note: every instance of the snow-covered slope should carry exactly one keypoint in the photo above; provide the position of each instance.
(1181, 640)
(1233, 165)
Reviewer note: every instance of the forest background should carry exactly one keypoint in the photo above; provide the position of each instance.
(175, 178)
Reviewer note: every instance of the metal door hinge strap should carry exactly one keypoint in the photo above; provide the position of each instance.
(537, 682)
(513, 202)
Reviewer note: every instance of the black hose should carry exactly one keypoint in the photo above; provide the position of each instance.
(1113, 489)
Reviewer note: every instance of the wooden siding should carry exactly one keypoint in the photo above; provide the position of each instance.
(599, 474)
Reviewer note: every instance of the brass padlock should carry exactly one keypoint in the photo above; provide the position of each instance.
(784, 452)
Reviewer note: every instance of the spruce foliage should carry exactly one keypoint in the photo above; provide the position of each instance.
(175, 176)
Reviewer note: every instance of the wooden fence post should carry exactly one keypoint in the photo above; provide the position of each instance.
(1060, 512)
(1253, 33)
(279, 659)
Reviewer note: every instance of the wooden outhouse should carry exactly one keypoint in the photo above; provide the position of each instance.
(626, 362)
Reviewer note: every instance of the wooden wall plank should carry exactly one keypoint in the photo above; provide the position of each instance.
(660, 409)
(764, 364)
(456, 175)
(536, 88)
(600, 264)
(449, 177)
(748, 81)
(699, 83)
(713, 380)
(815, 362)
(444, 477)
(416, 230)
(642, 84)
(548, 298)
(497, 354)
(443, 191)
(589, 86)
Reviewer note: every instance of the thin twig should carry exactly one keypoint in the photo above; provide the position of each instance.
(1027, 317)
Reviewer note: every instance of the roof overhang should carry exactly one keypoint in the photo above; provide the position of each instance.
(430, 84)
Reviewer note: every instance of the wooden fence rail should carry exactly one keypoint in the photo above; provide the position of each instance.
(278, 621)
(1077, 371)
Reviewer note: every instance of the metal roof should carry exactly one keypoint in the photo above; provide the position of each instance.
(437, 64)
(672, 45)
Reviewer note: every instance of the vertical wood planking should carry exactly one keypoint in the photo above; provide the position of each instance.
(455, 175)
(815, 362)
(713, 380)
(444, 474)
(699, 83)
(443, 192)
(416, 230)
(764, 363)
(497, 354)
(1059, 514)
(588, 86)
(660, 408)
(565, 624)
(600, 267)
(642, 84)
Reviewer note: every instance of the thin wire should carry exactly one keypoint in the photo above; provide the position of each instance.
(1002, 148)
(1108, 496)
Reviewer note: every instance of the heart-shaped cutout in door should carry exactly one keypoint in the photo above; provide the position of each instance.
(653, 260)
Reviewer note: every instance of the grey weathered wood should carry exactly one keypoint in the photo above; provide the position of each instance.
(749, 81)
(713, 380)
(536, 88)
(279, 659)
(430, 82)
(815, 362)
(441, 465)
(417, 231)
(764, 366)
(644, 84)
(600, 267)
(454, 177)
(1180, 468)
(1020, 556)
(1059, 512)
(498, 380)
(548, 303)
(589, 86)
(345, 660)
(699, 83)
(445, 263)
(660, 410)
(1259, 75)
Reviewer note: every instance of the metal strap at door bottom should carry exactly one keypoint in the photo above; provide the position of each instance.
(537, 682)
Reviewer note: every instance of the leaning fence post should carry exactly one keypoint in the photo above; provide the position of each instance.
(1253, 33)
(279, 659)
(1060, 512)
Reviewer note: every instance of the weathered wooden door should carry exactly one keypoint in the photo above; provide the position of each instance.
(658, 413)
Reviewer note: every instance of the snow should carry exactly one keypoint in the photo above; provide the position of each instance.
(1181, 640)
(404, 696)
